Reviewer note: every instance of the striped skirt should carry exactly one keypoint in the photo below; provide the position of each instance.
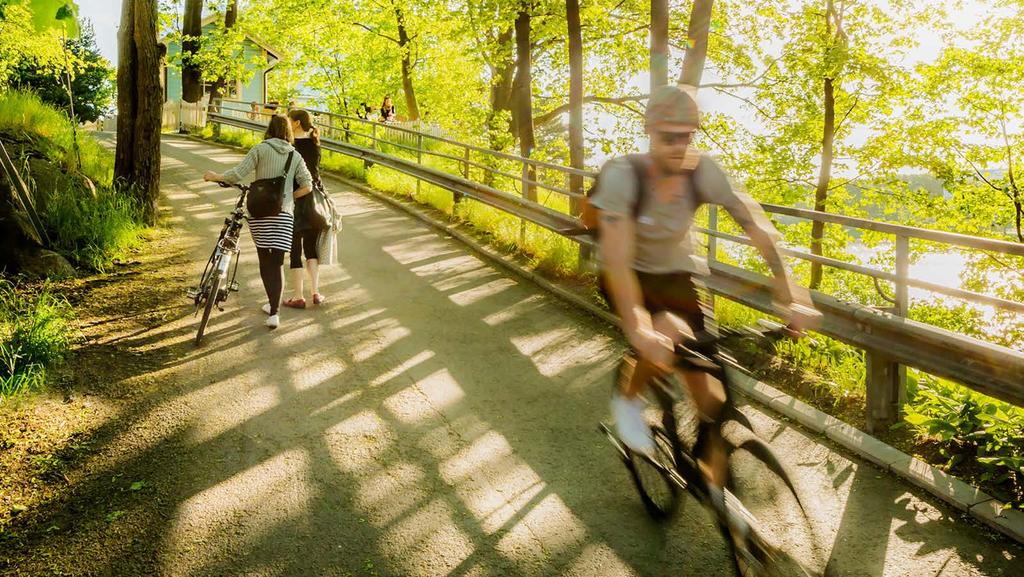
(273, 231)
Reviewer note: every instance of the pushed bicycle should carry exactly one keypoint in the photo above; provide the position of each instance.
(660, 478)
(216, 284)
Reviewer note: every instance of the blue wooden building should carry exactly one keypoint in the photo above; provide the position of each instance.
(259, 58)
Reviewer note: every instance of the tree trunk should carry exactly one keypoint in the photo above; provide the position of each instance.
(124, 154)
(502, 89)
(577, 152)
(230, 16)
(139, 100)
(697, 47)
(659, 43)
(192, 29)
(1018, 202)
(404, 45)
(824, 179)
(524, 97)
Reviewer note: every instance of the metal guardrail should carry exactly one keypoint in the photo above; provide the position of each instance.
(888, 338)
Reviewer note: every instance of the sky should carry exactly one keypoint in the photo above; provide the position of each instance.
(104, 14)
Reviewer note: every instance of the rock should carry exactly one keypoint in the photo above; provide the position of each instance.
(41, 263)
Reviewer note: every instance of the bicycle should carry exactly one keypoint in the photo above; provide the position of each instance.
(660, 478)
(214, 286)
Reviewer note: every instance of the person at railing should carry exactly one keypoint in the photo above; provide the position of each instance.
(254, 110)
(306, 230)
(387, 110)
(272, 235)
(646, 206)
(363, 111)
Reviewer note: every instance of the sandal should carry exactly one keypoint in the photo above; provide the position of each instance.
(295, 303)
(318, 299)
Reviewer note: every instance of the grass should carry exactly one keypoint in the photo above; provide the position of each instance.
(35, 335)
(91, 230)
(90, 227)
(24, 115)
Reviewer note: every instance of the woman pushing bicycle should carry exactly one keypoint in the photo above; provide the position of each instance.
(272, 159)
(645, 206)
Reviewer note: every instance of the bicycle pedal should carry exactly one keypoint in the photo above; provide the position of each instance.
(192, 292)
(233, 286)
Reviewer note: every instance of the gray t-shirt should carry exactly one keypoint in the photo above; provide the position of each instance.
(664, 241)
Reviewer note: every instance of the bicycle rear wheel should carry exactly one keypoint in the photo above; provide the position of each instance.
(211, 301)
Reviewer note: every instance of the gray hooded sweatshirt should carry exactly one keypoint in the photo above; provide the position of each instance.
(268, 159)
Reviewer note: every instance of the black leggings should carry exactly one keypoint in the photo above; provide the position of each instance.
(303, 242)
(272, 273)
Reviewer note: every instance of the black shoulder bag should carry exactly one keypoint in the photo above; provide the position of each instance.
(266, 195)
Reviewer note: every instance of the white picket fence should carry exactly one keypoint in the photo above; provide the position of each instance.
(178, 115)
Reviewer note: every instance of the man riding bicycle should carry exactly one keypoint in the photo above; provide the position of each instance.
(646, 206)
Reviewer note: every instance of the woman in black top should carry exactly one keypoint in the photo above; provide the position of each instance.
(304, 237)
(387, 110)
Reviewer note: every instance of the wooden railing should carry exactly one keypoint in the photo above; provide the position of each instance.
(889, 339)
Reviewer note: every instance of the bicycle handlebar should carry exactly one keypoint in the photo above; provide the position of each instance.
(689, 357)
(241, 187)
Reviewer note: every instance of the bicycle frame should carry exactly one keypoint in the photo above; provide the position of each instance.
(678, 465)
(214, 286)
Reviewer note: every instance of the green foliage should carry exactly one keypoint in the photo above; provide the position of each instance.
(91, 228)
(837, 369)
(345, 165)
(55, 14)
(220, 54)
(35, 335)
(92, 79)
(972, 430)
(24, 115)
(21, 42)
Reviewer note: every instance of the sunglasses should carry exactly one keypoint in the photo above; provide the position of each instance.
(673, 138)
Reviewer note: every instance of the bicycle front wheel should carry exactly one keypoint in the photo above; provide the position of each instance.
(658, 492)
(211, 301)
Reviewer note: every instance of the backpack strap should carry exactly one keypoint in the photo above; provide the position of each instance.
(639, 164)
(288, 163)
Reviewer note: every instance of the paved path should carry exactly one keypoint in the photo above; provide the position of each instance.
(437, 417)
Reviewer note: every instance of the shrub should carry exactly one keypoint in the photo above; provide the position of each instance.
(91, 230)
(35, 335)
(972, 430)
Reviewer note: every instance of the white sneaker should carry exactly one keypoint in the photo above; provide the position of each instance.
(630, 424)
(273, 321)
(266, 308)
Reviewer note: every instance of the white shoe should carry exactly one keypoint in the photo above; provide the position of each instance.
(630, 424)
(273, 321)
(266, 308)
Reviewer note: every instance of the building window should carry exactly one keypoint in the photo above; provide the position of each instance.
(231, 90)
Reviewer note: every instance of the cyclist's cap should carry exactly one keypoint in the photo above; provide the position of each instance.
(674, 104)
